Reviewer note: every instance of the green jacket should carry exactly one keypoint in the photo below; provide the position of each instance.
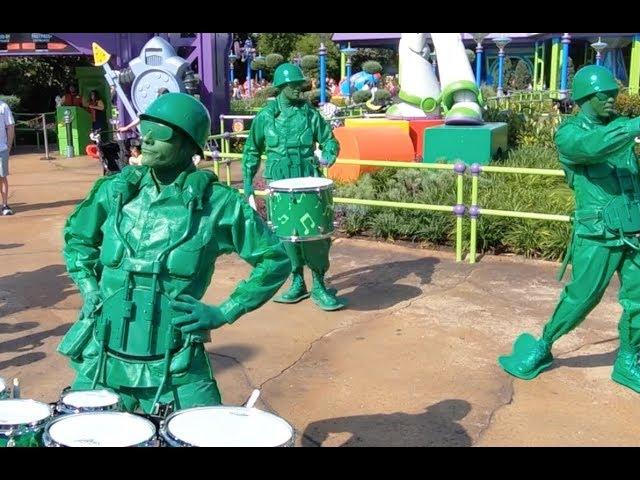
(127, 238)
(602, 168)
(287, 134)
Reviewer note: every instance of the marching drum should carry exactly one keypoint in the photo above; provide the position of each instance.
(301, 209)
(100, 429)
(22, 422)
(88, 401)
(222, 426)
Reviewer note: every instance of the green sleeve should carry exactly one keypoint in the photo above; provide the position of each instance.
(578, 145)
(253, 148)
(324, 136)
(83, 238)
(242, 230)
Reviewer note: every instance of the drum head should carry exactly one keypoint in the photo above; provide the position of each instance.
(301, 183)
(22, 412)
(101, 429)
(228, 427)
(90, 399)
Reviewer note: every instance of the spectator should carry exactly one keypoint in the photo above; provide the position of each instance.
(7, 133)
(136, 156)
(96, 108)
(71, 98)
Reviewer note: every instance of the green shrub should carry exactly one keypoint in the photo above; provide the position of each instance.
(273, 60)
(372, 67)
(628, 105)
(361, 96)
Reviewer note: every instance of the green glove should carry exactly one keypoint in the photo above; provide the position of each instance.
(92, 303)
(199, 316)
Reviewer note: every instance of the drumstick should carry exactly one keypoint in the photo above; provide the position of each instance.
(252, 399)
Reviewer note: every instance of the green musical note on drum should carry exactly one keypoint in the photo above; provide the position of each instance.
(283, 219)
(306, 217)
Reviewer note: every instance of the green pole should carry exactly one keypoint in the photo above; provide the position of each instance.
(474, 212)
(634, 68)
(459, 208)
(555, 66)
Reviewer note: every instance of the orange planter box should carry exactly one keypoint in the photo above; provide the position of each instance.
(370, 143)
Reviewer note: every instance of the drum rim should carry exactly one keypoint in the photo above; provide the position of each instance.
(295, 239)
(49, 441)
(176, 442)
(7, 429)
(330, 186)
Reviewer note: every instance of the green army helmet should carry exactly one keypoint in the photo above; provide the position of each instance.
(287, 73)
(184, 112)
(592, 79)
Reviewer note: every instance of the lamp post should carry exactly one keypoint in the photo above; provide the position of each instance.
(599, 47)
(349, 52)
(247, 53)
(564, 79)
(232, 58)
(322, 53)
(501, 42)
(478, 37)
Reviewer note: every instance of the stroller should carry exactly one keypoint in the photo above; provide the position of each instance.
(114, 154)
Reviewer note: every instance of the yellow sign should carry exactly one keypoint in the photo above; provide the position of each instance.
(238, 125)
(100, 56)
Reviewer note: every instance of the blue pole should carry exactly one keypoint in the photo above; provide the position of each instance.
(249, 74)
(500, 73)
(566, 40)
(323, 73)
(348, 80)
(478, 63)
(231, 72)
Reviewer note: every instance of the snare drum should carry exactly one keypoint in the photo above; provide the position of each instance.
(221, 426)
(22, 422)
(100, 429)
(301, 209)
(88, 401)
(4, 393)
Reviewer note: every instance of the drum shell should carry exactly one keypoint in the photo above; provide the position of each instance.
(62, 408)
(24, 435)
(301, 215)
(171, 441)
(49, 441)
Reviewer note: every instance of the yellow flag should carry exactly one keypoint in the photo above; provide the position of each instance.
(100, 56)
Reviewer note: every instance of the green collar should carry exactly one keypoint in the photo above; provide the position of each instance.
(427, 104)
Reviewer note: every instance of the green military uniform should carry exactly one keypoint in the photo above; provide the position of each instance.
(286, 130)
(148, 254)
(597, 153)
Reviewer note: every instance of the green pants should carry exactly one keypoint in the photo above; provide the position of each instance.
(593, 266)
(314, 254)
(196, 394)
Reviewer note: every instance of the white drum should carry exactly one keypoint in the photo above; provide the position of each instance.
(100, 429)
(226, 427)
(3, 390)
(22, 422)
(88, 401)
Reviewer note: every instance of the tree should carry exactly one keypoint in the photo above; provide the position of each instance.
(521, 76)
(385, 56)
(37, 80)
(282, 43)
(309, 44)
(310, 66)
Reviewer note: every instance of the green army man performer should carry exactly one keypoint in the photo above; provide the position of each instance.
(142, 248)
(597, 153)
(286, 130)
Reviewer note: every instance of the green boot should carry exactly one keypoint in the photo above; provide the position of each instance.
(626, 370)
(297, 291)
(529, 357)
(325, 298)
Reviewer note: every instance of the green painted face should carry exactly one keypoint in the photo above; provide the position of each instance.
(603, 103)
(293, 91)
(164, 148)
